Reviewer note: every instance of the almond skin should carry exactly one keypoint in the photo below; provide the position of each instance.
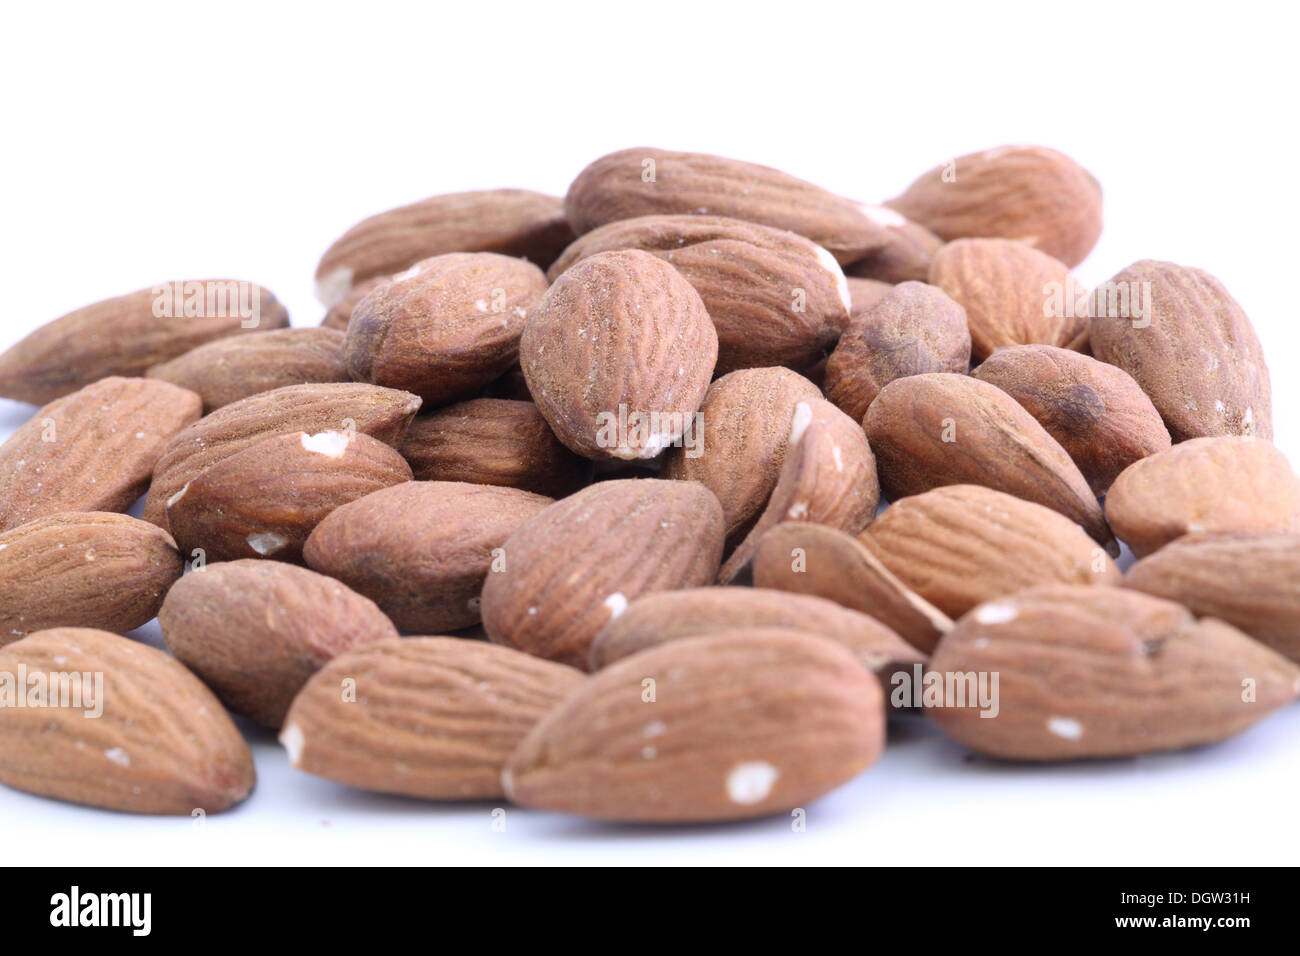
(421, 550)
(432, 717)
(1087, 672)
(1194, 351)
(1097, 413)
(123, 337)
(739, 724)
(162, 745)
(574, 566)
(93, 450)
(446, 327)
(340, 313)
(229, 369)
(620, 334)
(264, 501)
(254, 631)
(933, 430)
(1204, 485)
(907, 253)
(1031, 194)
(511, 222)
(83, 569)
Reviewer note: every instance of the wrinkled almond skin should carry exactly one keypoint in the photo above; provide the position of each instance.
(1204, 485)
(446, 327)
(163, 743)
(254, 631)
(933, 430)
(229, 369)
(575, 565)
(619, 186)
(907, 254)
(493, 441)
(1031, 194)
(1251, 581)
(511, 222)
(1194, 350)
(864, 294)
(1097, 413)
(913, 329)
(775, 297)
(83, 569)
(421, 550)
(434, 717)
(382, 413)
(93, 450)
(961, 545)
(742, 723)
(619, 334)
(339, 314)
(1088, 672)
(122, 336)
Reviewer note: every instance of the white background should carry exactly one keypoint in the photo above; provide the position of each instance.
(151, 142)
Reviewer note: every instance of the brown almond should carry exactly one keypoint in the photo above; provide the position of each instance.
(907, 253)
(339, 314)
(864, 294)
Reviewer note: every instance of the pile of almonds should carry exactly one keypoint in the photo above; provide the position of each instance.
(578, 502)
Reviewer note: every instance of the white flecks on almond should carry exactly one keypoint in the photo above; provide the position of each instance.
(616, 603)
(266, 542)
(884, 216)
(838, 456)
(330, 444)
(655, 728)
(797, 511)
(292, 739)
(118, 756)
(996, 612)
(750, 782)
(827, 262)
(333, 286)
(1066, 728)
(178, 496)
(799, 424)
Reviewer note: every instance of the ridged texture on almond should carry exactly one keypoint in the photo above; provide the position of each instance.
(83, 569)
(933, 430)
(813, 559)
(93, 450)
(913, 329)
(828, 478)
(1097, 413)
(746, 418)
(1204, 485)
(742, 723)
(493, 441)
(123, 336)
(229, 369)
(264, 501)
(573, 567)
(340, 313)
(775, 297)
(621, 334)
(1251, 581)
(254, 631)
(670, 615)
(1089, 672)
(432, 717)
(1012, 294)
(512, 222)
(1194, 350)
(962, 545)
(613, 188)
(864, 294)
(162, 745)
(446, 327)
(907, 254)
(1030, 194)
(382, 413)
(421, 550)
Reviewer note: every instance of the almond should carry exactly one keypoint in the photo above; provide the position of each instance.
(93, 450)
(340, 313)
(162, 743)
(254, 631)
(431, 717)
(738, 724)
(864, 294)
(907, 252)
(576, 565)
(1088, 672)
(422, 549)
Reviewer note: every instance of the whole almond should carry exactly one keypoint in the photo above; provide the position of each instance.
(737, 724)
(339, 314)
(422, 549)
(83, 569)
(618, 355)
(907, 253)
(162, 743)
(1204, 485)
(1190, 346)
(574, 566)
(93, 450)
(1104, 672)
(254, 631)
(433, 717)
